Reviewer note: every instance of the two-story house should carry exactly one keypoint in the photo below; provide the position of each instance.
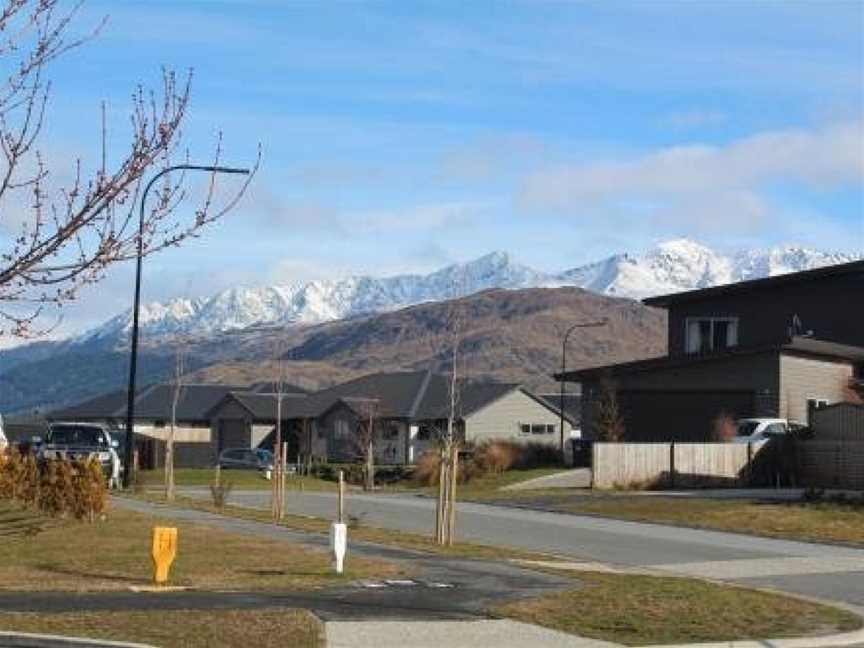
(774, 347)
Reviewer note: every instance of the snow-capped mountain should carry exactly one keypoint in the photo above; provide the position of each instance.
(671, 266)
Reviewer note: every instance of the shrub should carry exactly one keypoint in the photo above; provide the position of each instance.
(7, 471)
(27, 481)
(89, 489)
(488, 458)
(56, 489)
(427, 470)
(723, 428)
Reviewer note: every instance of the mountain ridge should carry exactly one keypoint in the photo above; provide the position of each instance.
(671, 266)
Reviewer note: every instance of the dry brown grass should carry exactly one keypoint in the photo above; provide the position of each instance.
(487, 459)
(115, 554)
(180, 628)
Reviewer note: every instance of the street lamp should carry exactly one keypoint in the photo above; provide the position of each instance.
(578, 325)
(133, 364)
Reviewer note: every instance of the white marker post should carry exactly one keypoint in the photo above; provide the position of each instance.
(338, 530)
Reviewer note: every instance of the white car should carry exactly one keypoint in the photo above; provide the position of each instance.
(751, 430)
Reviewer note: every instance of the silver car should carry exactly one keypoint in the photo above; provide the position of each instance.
(247, 459)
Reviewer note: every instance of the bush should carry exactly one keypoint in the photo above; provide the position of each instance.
(488, 458)
(57, 487)
(89, 489)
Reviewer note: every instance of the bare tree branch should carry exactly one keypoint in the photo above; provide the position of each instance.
(68, 236)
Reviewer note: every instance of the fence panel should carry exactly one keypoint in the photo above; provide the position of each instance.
(678, 464)
(714, 464)
(832, 464)
(627, 464)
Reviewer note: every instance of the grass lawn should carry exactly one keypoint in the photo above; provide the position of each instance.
(638, 610)
(180, 628)
(241, 479)
(115, 553)
(817, 521)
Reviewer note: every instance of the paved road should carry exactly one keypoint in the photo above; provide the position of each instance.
(827, 571)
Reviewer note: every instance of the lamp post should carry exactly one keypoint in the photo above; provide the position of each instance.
(578, 325)
(133, 362)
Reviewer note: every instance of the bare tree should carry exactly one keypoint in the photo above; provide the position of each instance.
(176, 395)
(278, 486)
(445, 521)
(608, 419)
(368, 413)
(62, 238)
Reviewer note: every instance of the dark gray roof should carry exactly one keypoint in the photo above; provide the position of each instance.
(797, 344)
(766, 283)
(470, 397)
(263, 406)
(814, 346)
(414, 395)
(572, 405)
(267, 387)
(396, 393)
(101, 407)
(151, 403)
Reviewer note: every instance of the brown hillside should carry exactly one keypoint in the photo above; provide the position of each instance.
(512, 335)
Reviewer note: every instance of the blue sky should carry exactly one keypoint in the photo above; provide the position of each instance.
(400, 136)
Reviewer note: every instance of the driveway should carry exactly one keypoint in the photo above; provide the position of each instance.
(827, 571)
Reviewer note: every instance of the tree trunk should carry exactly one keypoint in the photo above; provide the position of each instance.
(370, 466)
(169, 465)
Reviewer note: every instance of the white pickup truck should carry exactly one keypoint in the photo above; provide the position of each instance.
(80, 440)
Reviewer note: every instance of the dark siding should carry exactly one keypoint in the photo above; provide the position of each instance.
(234, 433)
(765, 315)
(679, 403)
(685, 416)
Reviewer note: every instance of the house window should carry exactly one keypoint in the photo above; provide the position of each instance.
(537, 428)
(706, 334)
(341, 430)
(425, 432)
(391, 431)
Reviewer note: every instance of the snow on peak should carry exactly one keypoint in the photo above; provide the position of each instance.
(670, 266)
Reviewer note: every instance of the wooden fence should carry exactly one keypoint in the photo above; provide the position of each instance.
(831, 464)
(625, 465)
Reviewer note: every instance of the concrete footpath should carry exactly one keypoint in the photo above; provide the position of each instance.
(451, 634)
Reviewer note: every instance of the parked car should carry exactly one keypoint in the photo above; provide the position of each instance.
(751, 430)
(247, 459)
(4, 442)
(78, 441)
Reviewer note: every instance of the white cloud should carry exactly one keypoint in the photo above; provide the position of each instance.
(828, 157)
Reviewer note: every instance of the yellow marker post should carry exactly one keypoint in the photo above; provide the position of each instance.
(164, 551)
